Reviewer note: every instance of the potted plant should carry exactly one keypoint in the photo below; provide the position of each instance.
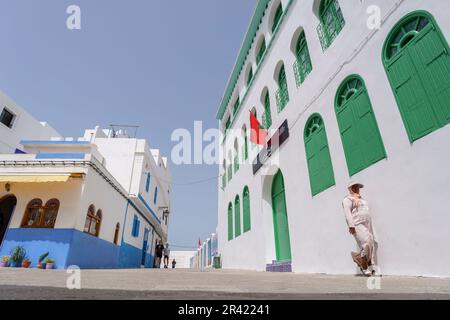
(4, 263)
(26, 263)
(49, 263)
(41, 264)
(18, 254)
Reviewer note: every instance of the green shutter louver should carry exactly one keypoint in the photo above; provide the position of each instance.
(416, 57)
(245, 144)
(331, 22)
(237, 217)
(282, 92)
(230, 222)
(318, 156)
(250, 76)
(358, 126)
(261, 52)
(302, 65)
(277, 17)
(267, 117)
(246, 209)
(236, 107)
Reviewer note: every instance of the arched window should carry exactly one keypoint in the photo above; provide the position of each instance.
(244, 134)
(236, 106)
(230, 166)
(250, 76)
(331, 22)
(116, 234)
(277, 17)
(39, 216)
(155, 196)
(246, 209)
(93, 221)
(237, 217)
(227, 125)
(147, 183)
(360, 135)
(261, 51)
(230, 222)
(416, 57)
(302, 65)
(282, 92)
(50, 213)
(33, 214)
(320, 168)
(267, 116)
(236, 156)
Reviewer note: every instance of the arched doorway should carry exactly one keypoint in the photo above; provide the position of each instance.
(7, 206)
(280, 219)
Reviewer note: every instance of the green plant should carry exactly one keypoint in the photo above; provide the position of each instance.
(18, 254)
(6, 259)
(50, 260)
(42, 257)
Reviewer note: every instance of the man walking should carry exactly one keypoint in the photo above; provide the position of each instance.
(166, 256)
(158, 254)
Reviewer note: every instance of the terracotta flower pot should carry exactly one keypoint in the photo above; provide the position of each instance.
(26, 264)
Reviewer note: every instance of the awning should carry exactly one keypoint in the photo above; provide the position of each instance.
(34, 178)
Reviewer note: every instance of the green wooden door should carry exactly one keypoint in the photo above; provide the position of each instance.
(360, 135)
(320, 168)
(230, 222)
(246, 209)
(280, 219)
(237, 217)
(417, 62)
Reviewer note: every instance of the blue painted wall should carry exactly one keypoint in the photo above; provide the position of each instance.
(73, 247)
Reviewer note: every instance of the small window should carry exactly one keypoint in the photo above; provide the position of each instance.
(116, 234)
(7, 118)
(155, 197)
(136, 227)
(147, 184)
(93, 221)
(250, 76)
(261, 52)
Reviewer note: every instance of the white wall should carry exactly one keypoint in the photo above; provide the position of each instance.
(406, 191)
(25, 127)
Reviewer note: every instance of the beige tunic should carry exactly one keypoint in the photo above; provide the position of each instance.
(357, 215)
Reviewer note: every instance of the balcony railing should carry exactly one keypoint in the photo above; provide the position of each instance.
(301, 71)
(282, 96)
(330, 27)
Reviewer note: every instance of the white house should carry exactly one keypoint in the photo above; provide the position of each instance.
(17, 124)
(341, 98)
(100, 201)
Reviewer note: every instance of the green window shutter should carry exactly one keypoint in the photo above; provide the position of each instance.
(224, 181)
(246, 209)
(358, 127)
(417, 62)
(230, 222)
(250, 76)
(236, 162)
(282, 92)
(227, 125)
(230, 172)
(237, 217)
(245, 144)
(320, 167)
(331, 22)
(302, 65)
(261, 52)
(280, 219)
(267, 113)
(277, 18)
(236, 107)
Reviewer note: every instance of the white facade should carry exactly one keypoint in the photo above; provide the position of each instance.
(117, 176)
(23, 126)
(407, 190)
(182, 259)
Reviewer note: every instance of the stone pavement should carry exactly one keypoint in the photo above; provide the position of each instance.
(213, 284)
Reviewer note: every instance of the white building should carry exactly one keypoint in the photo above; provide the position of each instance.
(100, 201)
(342, 101)
(182, 258)
(17, 124)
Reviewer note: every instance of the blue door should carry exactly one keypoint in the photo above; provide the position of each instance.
(145, 247)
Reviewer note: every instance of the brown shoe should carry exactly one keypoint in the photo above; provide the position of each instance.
(360, 261)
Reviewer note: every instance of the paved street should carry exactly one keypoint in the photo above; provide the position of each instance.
(189, 284)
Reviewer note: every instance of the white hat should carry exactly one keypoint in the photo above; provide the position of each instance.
(354, 183)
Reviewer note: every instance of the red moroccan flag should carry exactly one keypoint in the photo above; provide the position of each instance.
(199, 242)
(257, 132)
